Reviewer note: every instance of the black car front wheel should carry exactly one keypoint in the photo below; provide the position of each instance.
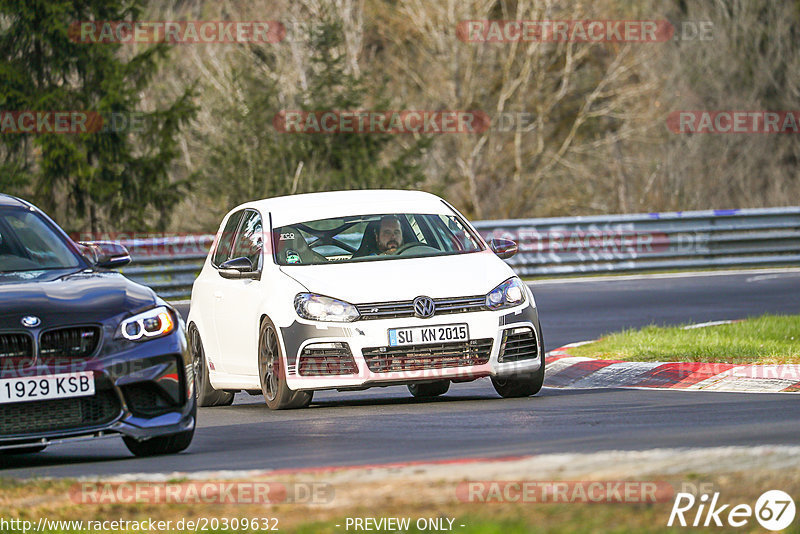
(167, 444)
(171, 444)
(206, 394)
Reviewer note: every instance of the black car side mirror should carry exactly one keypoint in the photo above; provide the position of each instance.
(238, 268)
(106, 254)
(504, 248)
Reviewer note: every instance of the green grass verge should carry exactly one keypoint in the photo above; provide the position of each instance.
(31, 500)
(770, 339)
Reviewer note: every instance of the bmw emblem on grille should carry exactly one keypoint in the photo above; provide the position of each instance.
(424, 307)
(30, 321)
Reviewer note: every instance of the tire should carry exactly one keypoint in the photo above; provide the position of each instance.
(170, 444)
(206, 394)
(521, 385)
(272, 372)
(431, 389)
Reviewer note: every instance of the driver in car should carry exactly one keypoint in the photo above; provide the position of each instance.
(389, 236)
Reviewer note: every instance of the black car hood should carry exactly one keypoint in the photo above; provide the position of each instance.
(59, 298)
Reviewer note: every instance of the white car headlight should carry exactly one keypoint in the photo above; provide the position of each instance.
(321, 308)
(151, 324)
(508, 294)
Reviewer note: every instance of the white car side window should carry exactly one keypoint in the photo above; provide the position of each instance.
(249, 239)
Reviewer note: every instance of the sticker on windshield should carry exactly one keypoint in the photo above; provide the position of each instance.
(288, 236)
(292, 256)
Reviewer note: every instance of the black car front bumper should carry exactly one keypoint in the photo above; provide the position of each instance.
(142, 390)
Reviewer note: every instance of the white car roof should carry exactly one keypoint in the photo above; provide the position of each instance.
(314, 206)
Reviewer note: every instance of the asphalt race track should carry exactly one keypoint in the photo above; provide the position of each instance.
(388, 425)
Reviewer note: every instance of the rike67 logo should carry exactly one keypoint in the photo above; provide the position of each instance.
(774, 510)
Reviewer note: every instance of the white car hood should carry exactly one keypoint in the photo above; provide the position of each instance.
(403, 279)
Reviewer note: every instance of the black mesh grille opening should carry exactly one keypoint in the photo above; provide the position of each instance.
(326, 359)
(58, 414)
(16, 349)
(72, 342)
(146, 399)
(405, 308)
(518, 344)
(434, 356)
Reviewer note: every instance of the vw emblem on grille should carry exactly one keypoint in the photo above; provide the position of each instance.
(30, 321)
(424, 307)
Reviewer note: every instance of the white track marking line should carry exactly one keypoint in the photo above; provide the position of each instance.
(657, 276)
(704, 325)
(768, 276)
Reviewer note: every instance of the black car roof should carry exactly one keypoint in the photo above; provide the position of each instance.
(8, 200)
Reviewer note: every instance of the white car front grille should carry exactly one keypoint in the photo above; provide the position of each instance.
(405, 308)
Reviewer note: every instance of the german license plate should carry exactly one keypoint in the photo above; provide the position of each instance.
(420, 335)
(62, 386)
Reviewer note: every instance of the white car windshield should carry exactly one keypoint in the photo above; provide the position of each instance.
(372, 238)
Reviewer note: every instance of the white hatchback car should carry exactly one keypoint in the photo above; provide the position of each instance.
(355, 289)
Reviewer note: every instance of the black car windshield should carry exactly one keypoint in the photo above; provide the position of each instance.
(371, 238)
(29, 243)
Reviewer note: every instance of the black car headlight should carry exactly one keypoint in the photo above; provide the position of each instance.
(321, 308)
(508, 294)
(154, 323)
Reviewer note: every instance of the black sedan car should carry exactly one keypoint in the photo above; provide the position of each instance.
(85, 353)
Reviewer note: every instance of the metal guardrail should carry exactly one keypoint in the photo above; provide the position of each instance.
(559, 246)
(169, 265)
(654, 241)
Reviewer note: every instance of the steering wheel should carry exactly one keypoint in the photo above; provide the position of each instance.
(408, 246)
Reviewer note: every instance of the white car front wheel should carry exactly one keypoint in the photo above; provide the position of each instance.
(272, 372)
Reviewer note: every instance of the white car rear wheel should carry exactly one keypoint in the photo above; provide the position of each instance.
(206, 394)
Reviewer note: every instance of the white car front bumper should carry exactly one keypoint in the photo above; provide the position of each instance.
(317, 356)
